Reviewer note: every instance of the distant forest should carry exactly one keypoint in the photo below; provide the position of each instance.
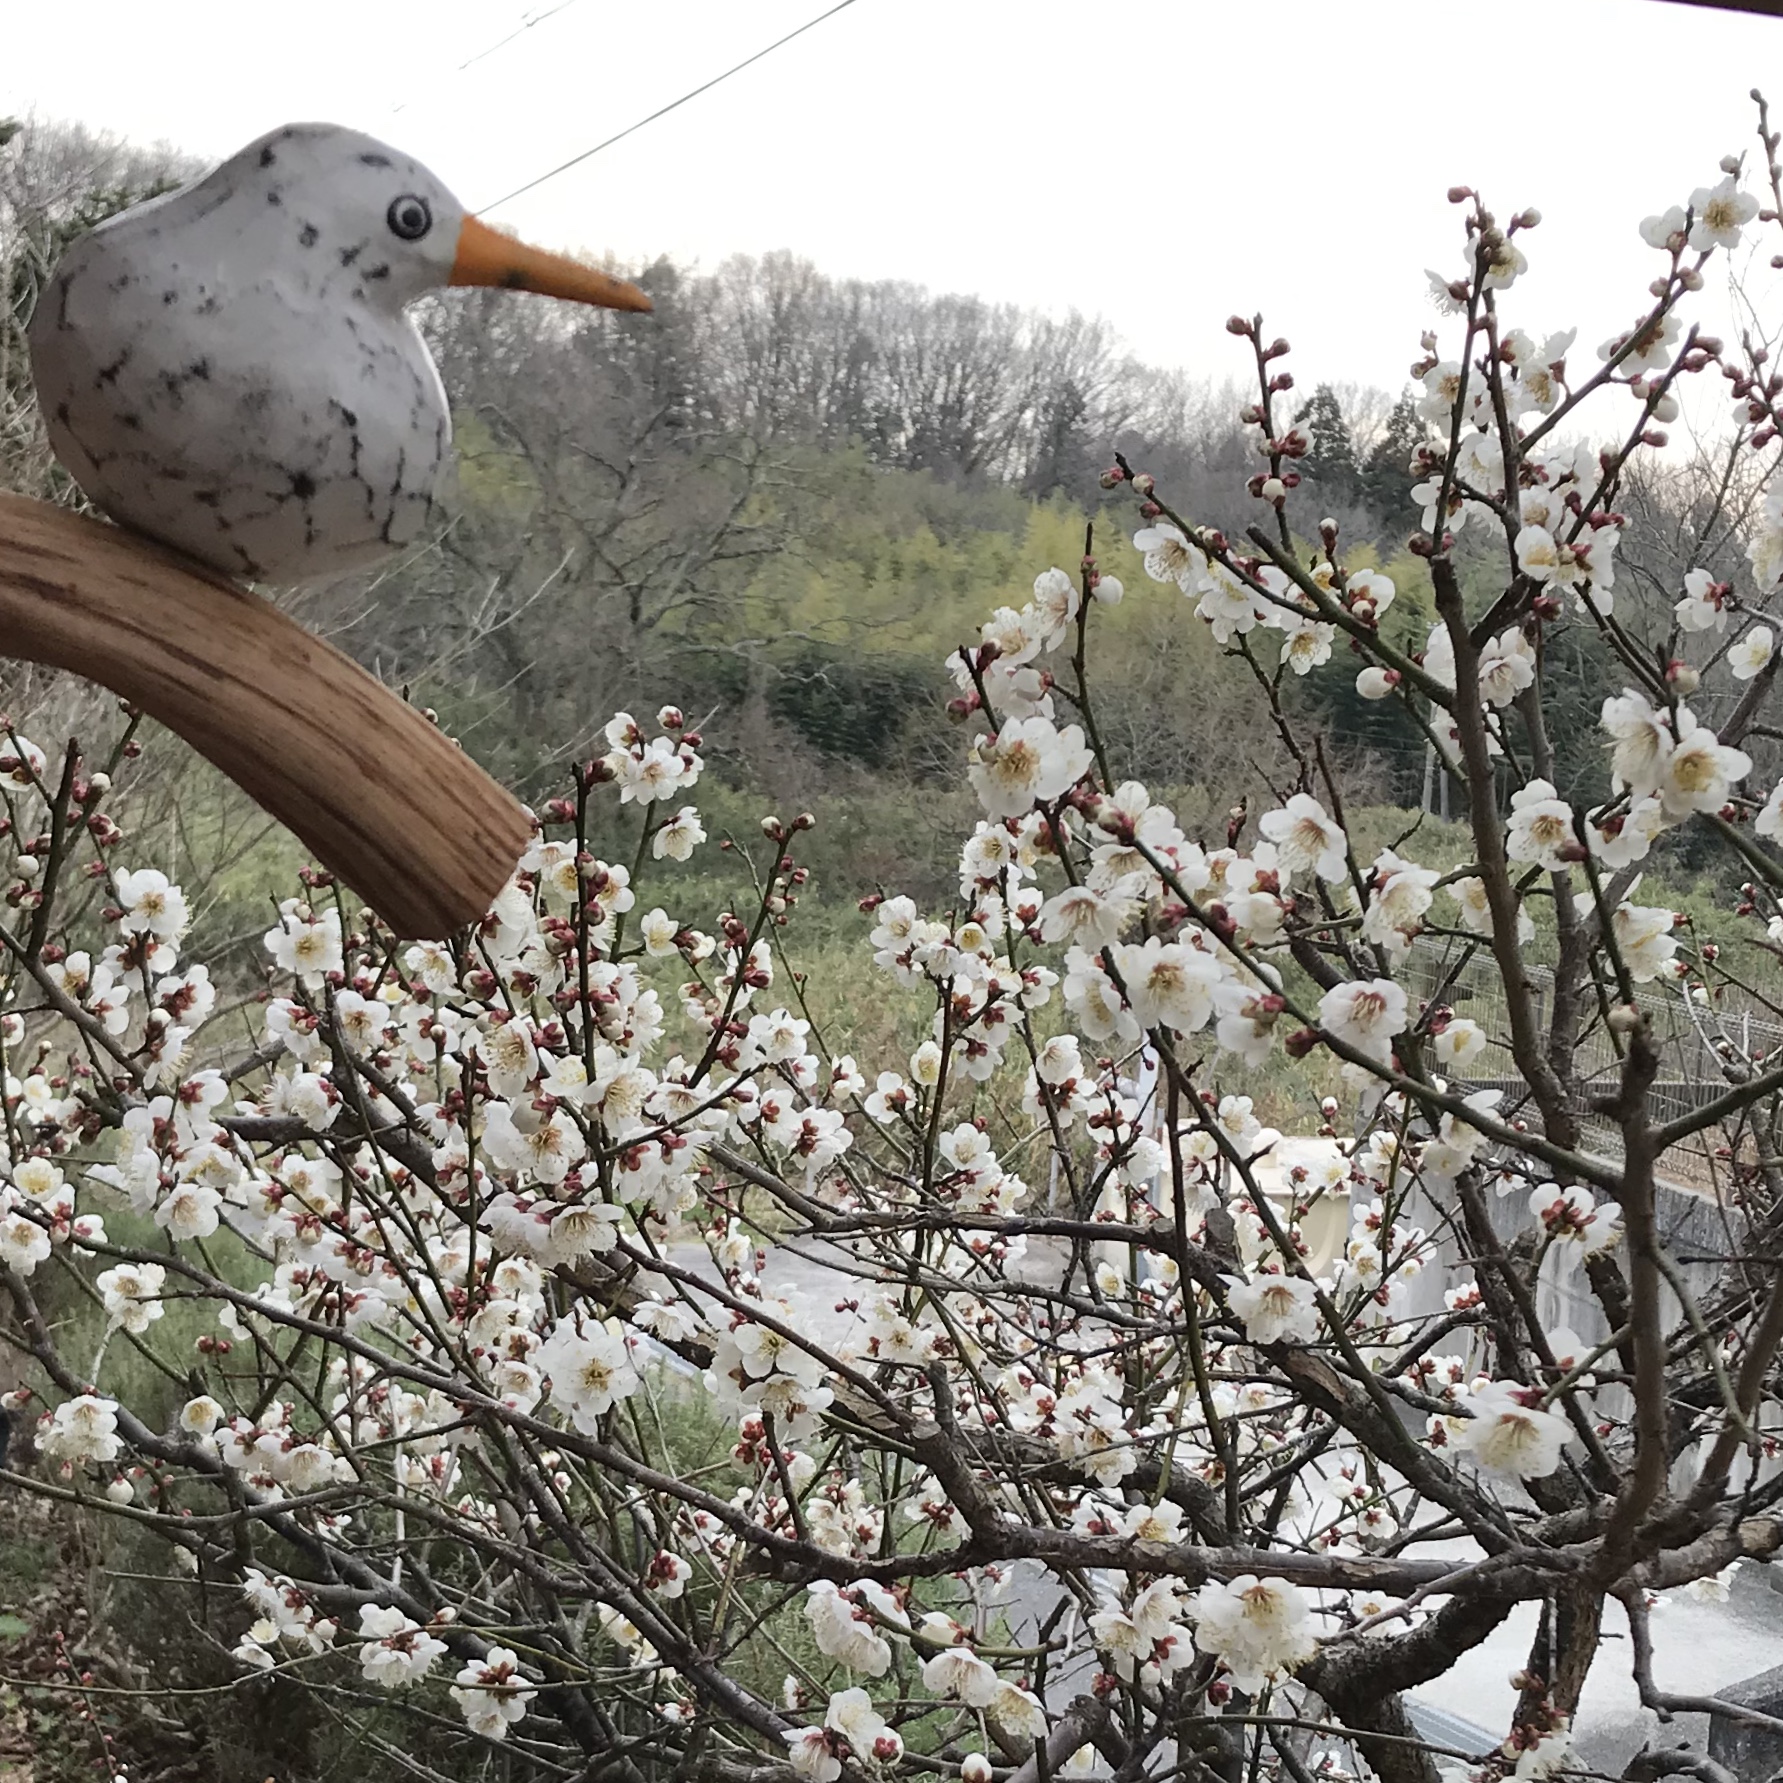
(781, 500)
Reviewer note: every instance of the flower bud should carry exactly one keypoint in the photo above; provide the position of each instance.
(1376, 683)
(1460, 194)
(1238, 325)
(1113, 477)
(1144, 483)
(975, 1768)
(1682, 676)
(1301, 1042)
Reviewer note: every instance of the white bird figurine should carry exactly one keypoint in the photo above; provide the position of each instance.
(229, 368)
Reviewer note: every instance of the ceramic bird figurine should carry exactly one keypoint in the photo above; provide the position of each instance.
(230, 368)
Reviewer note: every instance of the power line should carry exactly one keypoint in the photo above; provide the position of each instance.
(577, 160)
(527, 21)
(525, 25)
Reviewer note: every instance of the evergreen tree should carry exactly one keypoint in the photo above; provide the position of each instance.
(1332, 461)
(1386, 478)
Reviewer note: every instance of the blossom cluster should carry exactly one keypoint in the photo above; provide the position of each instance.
(478, 1229)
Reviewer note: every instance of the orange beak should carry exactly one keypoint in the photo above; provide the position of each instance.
(487, 257)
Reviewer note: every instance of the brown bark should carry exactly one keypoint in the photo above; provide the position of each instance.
(381, 797)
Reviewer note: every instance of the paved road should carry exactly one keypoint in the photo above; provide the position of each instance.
(1699, 1648)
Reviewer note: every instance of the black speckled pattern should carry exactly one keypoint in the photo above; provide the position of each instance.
(229, 369)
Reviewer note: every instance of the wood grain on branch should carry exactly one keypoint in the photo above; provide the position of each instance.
(376, 792)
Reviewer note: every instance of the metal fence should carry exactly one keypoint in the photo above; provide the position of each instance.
(1696, 1039)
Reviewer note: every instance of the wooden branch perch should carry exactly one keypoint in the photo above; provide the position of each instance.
(377, 794)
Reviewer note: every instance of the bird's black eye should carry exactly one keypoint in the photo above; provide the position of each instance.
(409, 217)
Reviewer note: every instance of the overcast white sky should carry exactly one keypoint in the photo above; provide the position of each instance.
(1159, 166)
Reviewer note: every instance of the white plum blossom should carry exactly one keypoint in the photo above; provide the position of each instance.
(852, 1717)
(1541, 827)
(395, 1652)
(1275, 1308)
(152, 905)
(1769, 821)
(1704, 606)
(1721, 212)
(1169, 557)
(959, 1674)
(1751, 652)
(82, 1429)
(1571, 1216)
(1307, 838)
(1366, 1014)
(590, 1370)
(1700, 772)
(305, 945)
(492, 1693)
(1509, 1433)
(1507, 667)
(24, 1242)
(1168, 984)
(677, 837)
(132, 1295)
(1026, 763)
(1257, 1628)
(1643, 742)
